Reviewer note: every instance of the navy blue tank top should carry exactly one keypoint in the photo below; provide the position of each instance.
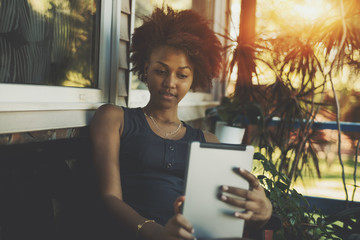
(152, 168)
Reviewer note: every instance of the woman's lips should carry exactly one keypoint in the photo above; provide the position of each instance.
(167, 95)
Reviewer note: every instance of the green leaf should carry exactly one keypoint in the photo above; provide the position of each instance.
(259, 156)
(282, 186)
(292, 221)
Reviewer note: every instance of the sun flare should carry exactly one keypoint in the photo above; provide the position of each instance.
(310, 10)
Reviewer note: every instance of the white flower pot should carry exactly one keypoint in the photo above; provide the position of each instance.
(229, 134)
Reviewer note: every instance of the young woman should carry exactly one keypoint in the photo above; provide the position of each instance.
(140, 153)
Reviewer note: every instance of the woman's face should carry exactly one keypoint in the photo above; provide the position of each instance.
(169, 76)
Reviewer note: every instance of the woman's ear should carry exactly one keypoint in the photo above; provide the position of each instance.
(146, 67)
(144, 76)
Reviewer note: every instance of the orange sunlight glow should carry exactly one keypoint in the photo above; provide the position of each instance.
(310, 10)
(278, 16)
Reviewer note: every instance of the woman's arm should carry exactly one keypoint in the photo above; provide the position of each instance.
(211, 138)
(105, 130)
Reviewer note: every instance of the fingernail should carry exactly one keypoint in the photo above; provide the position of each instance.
(223, 197)
(224, 188)
(192, 231)
(238, 214)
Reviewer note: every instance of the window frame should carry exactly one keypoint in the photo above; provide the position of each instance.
(26, 107)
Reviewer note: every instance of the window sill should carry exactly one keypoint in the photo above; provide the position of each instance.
(20, 117)
(25, 108)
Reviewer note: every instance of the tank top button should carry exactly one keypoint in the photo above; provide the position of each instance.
(172, 148)
(168, 166)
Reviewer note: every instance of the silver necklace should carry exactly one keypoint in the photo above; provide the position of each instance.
(166, 134)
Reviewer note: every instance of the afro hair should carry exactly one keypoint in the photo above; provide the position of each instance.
(184, 30)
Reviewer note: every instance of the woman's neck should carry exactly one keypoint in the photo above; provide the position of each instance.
(163, 115)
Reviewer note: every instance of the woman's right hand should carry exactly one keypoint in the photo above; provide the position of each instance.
(178, 227)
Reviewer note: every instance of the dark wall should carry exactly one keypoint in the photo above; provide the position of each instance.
(47, 187)
(47, 190)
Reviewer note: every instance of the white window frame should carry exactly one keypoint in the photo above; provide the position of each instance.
(26, 108)
(194, 104)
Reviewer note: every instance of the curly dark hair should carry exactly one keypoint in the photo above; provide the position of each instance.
(184, 30)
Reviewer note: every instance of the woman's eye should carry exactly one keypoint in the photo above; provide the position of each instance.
(160, 72)
(182, 76)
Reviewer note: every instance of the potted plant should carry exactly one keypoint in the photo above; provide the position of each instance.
(293, 100)
(299, 221)
(233, 118)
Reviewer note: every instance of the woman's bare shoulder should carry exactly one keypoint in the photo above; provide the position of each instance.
(108, 115)
(210, 137)
(109, 109)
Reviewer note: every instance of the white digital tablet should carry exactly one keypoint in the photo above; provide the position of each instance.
(209, 166)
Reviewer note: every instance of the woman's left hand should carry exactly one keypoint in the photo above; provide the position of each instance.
(257, 207)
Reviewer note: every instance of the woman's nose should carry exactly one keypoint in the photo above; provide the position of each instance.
(170, 81)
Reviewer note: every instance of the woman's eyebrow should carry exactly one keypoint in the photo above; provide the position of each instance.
(185, 67)
(161, 63)
(165, 65)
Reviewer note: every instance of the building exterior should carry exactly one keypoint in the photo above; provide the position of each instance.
(47, 100)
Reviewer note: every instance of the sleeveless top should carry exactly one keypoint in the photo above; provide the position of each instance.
(152, 168)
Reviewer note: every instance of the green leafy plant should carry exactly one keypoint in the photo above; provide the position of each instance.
(292, 97)
(298, 220)
(345, 224)
(302, 62)
(236, 114)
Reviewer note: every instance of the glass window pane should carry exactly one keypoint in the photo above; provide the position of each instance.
(145, 7)
(49, 42)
